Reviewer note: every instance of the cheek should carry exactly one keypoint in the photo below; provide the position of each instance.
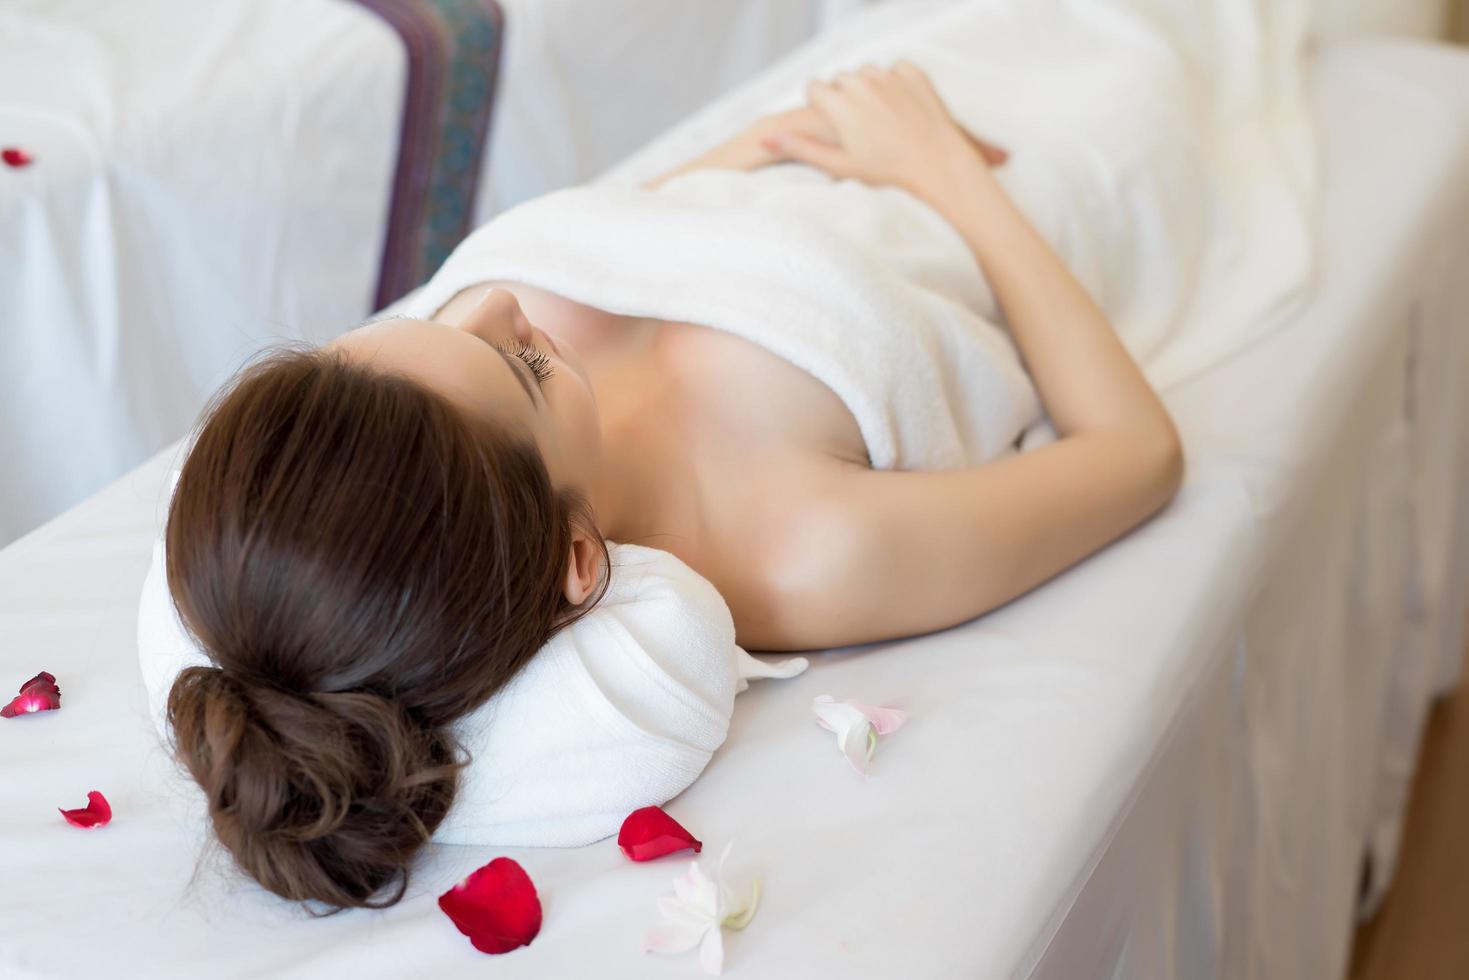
(581, 429)
(592, 427)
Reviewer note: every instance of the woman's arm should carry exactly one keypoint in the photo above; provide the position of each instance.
(876, 554)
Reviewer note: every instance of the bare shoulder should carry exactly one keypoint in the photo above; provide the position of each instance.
(760, 529)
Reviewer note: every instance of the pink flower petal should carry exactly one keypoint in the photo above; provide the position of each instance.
(856, 726)
(40, 693)
(649, 832)
(885, 720)
(97, 812)
(496, 907)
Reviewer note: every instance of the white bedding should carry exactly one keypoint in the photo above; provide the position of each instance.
(1162, 763)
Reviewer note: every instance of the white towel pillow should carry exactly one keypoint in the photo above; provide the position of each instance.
(620, 710)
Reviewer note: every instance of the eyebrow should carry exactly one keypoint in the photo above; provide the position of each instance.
(518, 368)
(380, 317)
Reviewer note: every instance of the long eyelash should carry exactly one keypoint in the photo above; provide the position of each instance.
(537, 361)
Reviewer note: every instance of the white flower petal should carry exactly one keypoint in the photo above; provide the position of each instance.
(853, 742)
(851, 727)
(722, 896)
(675, 908)
(741, 918)
(695, 890)
(674, 937)
(836, 715)
(711, 952)
(693, 915)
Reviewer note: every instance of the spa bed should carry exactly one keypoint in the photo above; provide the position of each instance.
(1169, 761)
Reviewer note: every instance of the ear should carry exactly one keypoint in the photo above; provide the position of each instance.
(583, 564)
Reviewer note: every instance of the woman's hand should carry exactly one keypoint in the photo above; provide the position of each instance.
(747, 149)
(814, 128)
(804, 120)
(881, 126)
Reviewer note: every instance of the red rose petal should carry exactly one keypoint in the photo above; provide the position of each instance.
(15, 156)
(496, 907)
(97, 813)
(649, 833)
(40, 693)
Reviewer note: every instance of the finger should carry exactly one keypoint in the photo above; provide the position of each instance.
(809, 120)
(827, 100)
(918, 81)
(820, 93)
(907, 69)
(806, 149)
(850, 81)
(881, 81)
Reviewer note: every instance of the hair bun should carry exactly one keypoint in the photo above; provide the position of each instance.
(317, 795)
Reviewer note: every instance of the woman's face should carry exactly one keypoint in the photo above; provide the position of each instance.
(488, 365)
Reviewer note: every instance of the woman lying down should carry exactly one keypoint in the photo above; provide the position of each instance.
(373, 537)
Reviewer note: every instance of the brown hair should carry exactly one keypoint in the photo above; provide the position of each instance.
(363, 563)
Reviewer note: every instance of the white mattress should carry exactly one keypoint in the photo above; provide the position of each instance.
(1162, 763)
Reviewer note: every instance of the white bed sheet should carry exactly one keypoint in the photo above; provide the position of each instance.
(1050, 806)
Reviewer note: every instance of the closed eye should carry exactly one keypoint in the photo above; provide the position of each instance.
(535, 359)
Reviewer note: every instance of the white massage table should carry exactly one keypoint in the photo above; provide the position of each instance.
(1167, 762)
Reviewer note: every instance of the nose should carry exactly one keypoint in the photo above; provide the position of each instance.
(498, 317)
